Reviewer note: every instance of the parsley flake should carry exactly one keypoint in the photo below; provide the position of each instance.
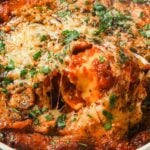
(7, 81)
(37, 55)
(112, 100)
(107, 114)
(4, 90)
(23, 72)
(138, 1)
(123, 57)
(10, 66)
(107, 126)
(49, 117)
(101, 59)
(61, 121)
(35, 85)
(146, 31)
(2, 46)
(69, 36)
(45, 70)
(43, 38)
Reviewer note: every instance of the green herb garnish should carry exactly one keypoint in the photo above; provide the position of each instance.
(99, 7)
(49, 117)
(101, 59)
(112, 100)
(43, 38)
(10, 66)
(2, 46)
(107, 114)
(90, 116)
(146, 31)
(110, 18)
(63, 14)
(69, 36)
(45, 70)
(35, 85)
(33, 72)
(37, 55)
(62, 1)
(35, 112)
(4, 90)
(44, 109)
(1, 66)
(7, 81)
(15, 110)
(123, 57)
(23, 72)
(107, 126)
(138, 1)
(36, 122)
(61, 121)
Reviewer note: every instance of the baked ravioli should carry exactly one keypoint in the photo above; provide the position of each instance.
(75, 74)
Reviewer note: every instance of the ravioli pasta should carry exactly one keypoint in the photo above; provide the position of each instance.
(74, 74)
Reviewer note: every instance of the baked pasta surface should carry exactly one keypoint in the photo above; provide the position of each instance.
(74, 74)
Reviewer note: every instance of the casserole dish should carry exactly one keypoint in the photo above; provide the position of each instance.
(75, 74)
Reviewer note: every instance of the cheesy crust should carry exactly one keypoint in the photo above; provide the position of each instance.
(74, 71)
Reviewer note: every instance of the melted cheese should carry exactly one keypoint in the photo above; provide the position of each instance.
(35, 46)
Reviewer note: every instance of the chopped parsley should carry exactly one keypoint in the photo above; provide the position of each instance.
(40, 8)
(107, 114)
(35, 85)
(138, 1)
(69, 36)
(122, 1)
(36, 122)
(63, 14)
(107, 126)
(35, 112)
(37, 55)
(86, 20)
(96, 32)
(1, 34)
(74, 117)
(44, 109)
(62, 1)
(86, 2)
(2, 46)
(141, 15)
(23, 72)
(61, 121)
(112, 100)
(90, 116)
(101, 59)
(146, 31)
(49, 117)
(10, 66)
(99, 7)
(32, 114)
(4, 90)
(43, 38)
(1, 66)
(110, 18)
(33, 72)
(45, 70)
(7, 81)
(15, 110)
(123, 57)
